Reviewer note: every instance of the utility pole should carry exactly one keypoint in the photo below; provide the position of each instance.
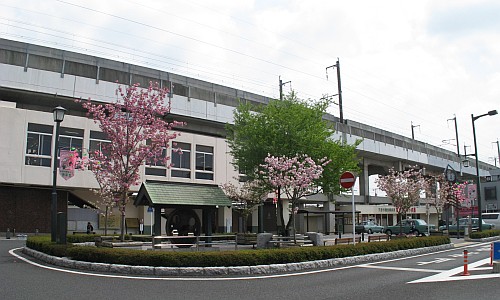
(412, 132)
(498, 152)
(465, 150)
(339, 86)
(281, 87)
(458, 144)
(456, 133)
(280, 204)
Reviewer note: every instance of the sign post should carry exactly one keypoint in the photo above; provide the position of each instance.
(150, 210)
(347, 180)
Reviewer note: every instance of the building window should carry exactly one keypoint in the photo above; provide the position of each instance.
(38, 145)
(71, 139)
(181, 160)
(204, 162)
(156, 167)
(98, 140)
(490, 193)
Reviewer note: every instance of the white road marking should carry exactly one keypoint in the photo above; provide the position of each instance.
(484, 249)
(401, 269)
(436, 261)
(454, 274)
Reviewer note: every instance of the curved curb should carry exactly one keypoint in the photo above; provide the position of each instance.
(483, 240)
(224, 271)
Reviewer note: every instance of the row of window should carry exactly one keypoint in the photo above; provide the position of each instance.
(181, 162)
(39, 144)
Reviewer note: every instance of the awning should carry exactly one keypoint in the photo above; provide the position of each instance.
(175, 194)
(78, 201)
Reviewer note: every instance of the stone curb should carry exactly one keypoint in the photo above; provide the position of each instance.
(483, 240)
(224, 271)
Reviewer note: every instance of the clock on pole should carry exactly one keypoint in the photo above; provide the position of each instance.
(450, 174)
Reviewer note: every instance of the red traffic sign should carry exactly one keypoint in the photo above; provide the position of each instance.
(347, 180)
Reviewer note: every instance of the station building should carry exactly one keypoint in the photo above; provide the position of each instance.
(35, 79)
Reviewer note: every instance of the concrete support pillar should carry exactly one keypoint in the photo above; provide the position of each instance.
(255, 219)
(330, 218)
(364, 183)
(157, 221)
(224, 219)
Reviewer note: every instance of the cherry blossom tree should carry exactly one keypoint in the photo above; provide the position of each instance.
(403, 188)
(437, 192)
(245, 197)
(456, 196)
(105, 193)
(443, 194)
(297, 177)
(137, 133)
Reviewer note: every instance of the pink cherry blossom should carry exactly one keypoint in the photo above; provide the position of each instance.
(294, 176)
(138, 133)
(403, 188)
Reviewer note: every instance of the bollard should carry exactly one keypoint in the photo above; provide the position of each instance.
(466, 264)
(7, 235)
(363, 236)
(491, 254)
(37, 231)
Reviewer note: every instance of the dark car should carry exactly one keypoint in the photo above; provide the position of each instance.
(368, 227)
(410, 226)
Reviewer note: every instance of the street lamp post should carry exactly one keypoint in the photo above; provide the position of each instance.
(58, 113)
(490, 113)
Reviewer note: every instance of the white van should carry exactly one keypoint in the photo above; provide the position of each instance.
(492, 218)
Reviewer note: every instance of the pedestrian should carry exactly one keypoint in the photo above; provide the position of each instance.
(90, 228)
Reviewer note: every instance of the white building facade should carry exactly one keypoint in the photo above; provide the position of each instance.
(35, 79)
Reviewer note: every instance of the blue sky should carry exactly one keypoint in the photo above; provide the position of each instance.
(401, 61)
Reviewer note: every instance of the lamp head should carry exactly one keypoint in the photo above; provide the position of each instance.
(59, 114)
(466, 163)
(492, 112)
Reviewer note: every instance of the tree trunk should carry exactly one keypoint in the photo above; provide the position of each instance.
(291, 223)
(106, 220)
(400, 217)
(244, 222)
(122, 210)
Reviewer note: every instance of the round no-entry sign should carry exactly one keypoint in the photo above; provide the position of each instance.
(347, 180)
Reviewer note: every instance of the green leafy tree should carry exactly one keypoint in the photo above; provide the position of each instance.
(289, 127)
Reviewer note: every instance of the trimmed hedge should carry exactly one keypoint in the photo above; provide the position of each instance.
(485, 234)
(227, 258)
(80, 238)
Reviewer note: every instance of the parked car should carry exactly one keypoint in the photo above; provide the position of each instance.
(368, 227)
(413, 226)
(492, 218)
(463, 222)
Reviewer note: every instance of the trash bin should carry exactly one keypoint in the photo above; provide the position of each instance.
(496, 257)
(496, 251)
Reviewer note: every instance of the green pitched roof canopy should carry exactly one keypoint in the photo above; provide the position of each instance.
(174, 194)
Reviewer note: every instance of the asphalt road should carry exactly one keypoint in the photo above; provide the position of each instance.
(431, 276)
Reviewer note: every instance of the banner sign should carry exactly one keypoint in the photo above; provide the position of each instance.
(67, 163)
